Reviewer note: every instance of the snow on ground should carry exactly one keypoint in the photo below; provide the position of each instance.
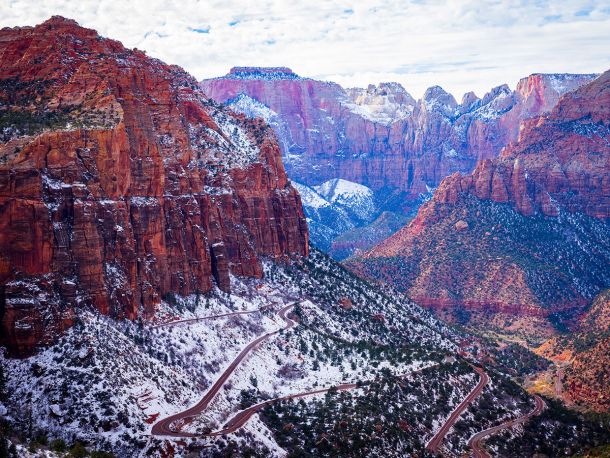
(340, 190)
(309, 197)
(264, 436)
(385, 104)
(24, 452)
(227, 144)
(280, 368)
(565, 82)
(252, 108)
(107, 382)
(354, 197)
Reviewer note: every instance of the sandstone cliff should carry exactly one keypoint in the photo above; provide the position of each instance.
(525, 234)
(560, 161)
(380, 136)
(120, 181)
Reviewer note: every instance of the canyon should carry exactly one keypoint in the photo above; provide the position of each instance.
(159, 295)
(381, 137)
(522, 241)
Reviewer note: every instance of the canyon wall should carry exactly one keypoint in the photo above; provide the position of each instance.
(381, 136)
(120, 182)
(523, 235)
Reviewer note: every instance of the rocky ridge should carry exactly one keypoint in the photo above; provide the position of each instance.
(525, 234)
(380, 136)
(121, 182)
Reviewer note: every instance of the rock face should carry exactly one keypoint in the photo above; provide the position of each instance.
(345, 217)
(587, 373)
(561, 160)
(526, 233)
(380, 136)
(120, 181)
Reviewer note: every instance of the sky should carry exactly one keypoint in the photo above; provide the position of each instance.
(466, 45)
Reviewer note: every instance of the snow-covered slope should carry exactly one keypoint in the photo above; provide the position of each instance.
(345, 217)
(106, 382)
(353, 197)
(309, 197)
(383, 104)
(252, 108)
(336, 207)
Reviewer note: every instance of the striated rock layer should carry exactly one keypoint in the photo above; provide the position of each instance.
(524, 234)
(584, 354)
(120, 181)
(380, 136)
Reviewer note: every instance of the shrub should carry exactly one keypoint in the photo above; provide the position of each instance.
(102, 454)
(58, 445)
(78, 450)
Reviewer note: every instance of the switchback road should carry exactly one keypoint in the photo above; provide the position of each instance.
(241, 418)
(165, 427)
(476, 441)
(437, 439)
(209, 317)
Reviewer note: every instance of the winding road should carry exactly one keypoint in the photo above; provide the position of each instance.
(209, 317)
(171, 426)
(165, 427)
(476, 441)
(559, 383)
(437, 439)
(241, 418)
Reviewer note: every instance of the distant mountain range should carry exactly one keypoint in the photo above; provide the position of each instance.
(523, 242)
(381, 137)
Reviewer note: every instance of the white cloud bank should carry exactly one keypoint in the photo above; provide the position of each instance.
(460, 45)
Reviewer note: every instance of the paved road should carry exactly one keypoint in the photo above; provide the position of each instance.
(559, 383)
(437, 439)
(164, 427)
(241, 418)
(201, 318)
(476, 441)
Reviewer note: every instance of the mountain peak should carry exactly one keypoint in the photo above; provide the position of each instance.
(437, 99)
(266, 73)
(61, 21)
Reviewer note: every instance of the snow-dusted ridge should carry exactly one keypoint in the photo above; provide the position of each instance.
(107, 381)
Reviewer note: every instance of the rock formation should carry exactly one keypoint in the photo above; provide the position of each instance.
(525, 234)
(380, 136)
(120, 182)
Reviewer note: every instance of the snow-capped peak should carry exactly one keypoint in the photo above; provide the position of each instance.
(250, 107)
(383, 104)
(309, 197)
(263, 73)
(358, 198)
(340, 189)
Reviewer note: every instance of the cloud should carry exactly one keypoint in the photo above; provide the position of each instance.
(460, 45)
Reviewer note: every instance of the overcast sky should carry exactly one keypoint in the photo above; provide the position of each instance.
(459, 45)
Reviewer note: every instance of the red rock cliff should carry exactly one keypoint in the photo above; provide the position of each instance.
(382, 137)
(120, 181)
(526, 233)
(562, 160)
